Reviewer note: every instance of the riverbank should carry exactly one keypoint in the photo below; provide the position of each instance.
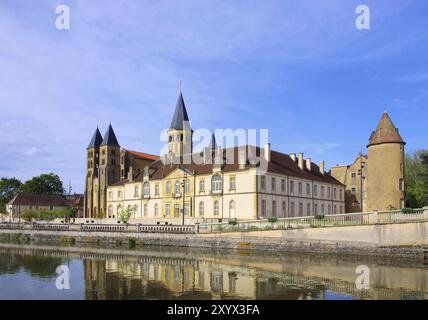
(242, 241)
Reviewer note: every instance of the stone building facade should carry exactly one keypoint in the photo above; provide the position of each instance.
(224, 185)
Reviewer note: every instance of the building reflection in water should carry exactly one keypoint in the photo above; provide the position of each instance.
(185, 274)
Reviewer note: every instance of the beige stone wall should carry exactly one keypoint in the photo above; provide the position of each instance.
(385, 170)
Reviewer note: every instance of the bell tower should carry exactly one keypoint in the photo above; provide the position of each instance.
(385, 167)
(180, 132)
(109, 168)
(92, 166)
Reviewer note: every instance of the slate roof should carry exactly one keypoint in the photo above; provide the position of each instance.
(96, 139)
(180, 115)
(110, 138)
(385, 132)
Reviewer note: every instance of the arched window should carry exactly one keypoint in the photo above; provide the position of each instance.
(216, 208)
(177, 187)
(156, 210)
(146, 189)
(232, 209)
(216, 183)
(110, 211)
(119, 210)
(201, 209)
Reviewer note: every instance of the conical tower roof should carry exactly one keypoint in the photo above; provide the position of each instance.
(385, 132)
(213, 143)
(180, 117)
(110, 138)
(96, 139)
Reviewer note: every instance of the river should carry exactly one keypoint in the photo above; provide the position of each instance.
(30, 272)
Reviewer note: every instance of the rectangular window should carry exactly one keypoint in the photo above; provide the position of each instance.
(202, 185)
(322, 192)
(263, 207)
(328, 193)
(273, 184)
(329, 209)
(300, 188)
(282, 185)
(136, 193)
(316, 208)
(292, 187)
(283, 208)
(110, 195)
(308, 189)
(119, 194)
(322, 209)
(340, 194)
(168, 210)
(168, 187)
(186, 186)
(273, 208)
(263, 182)
(232, 183)
(308, 209)
(334, 193)
(353, 175)
(292, 209)
(186, 208)
(300, 209)
(354, 190)
(315, 191)
(157, 189)
(176, 210)
(401, 186)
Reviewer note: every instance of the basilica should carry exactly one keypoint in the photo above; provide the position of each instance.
(225, 184)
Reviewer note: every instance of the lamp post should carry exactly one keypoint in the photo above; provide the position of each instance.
(362, 177)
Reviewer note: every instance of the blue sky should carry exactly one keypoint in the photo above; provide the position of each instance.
(298, 68)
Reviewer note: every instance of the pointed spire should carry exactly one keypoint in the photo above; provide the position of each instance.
(213, 143)
(180, 118)
(385, 132)
(96, 139)
(110, 138)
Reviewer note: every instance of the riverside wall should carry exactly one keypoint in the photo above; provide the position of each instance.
(402, 240)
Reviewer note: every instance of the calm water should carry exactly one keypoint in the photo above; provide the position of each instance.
(28, 272)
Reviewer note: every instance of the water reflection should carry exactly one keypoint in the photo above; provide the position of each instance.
(111, 273)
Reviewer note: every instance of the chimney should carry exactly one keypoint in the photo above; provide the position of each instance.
(130, 174)
(309, 164)
(266, 149)
(293, 156)
(322, 167)
(242, 154)
(300, 160)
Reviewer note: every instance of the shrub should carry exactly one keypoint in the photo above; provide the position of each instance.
(319, 216)
(233, 222)
(408, 210)
(272, 219)
(29, 214)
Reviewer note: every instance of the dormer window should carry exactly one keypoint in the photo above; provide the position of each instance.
(216, 183)
(146, 190)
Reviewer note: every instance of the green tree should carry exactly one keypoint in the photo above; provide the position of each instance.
(8, 188)
(127, 213)
(417, 179)
(29, 215)
(47, 183)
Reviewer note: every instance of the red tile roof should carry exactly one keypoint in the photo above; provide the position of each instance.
(280, 163)
(44, 200)
(385, 132)
(142, 155)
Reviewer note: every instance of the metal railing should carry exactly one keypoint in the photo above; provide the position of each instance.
(348, 219)
(167, 229)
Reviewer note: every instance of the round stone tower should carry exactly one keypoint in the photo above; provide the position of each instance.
(385, 167)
